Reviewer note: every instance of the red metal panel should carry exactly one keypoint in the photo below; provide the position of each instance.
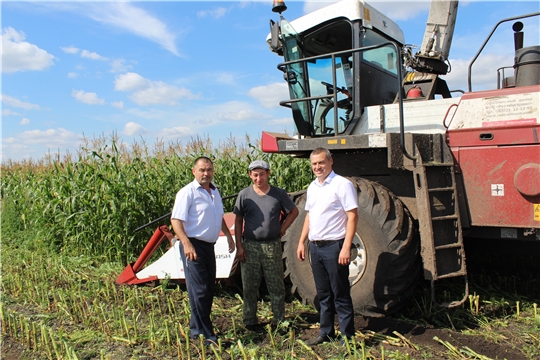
(492, 197)
(507, 135)
(269, 142)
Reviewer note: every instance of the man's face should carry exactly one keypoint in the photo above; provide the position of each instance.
(259, 177)
(203, 171)
(321, 165)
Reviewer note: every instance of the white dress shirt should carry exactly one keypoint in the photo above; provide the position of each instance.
(327, 204)
(200, 212)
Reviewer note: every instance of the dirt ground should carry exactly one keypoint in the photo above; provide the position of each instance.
(417, 335)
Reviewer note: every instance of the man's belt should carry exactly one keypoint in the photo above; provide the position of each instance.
(321, 243)
(192, 239)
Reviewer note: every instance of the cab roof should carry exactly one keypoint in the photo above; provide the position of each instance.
(351, 10)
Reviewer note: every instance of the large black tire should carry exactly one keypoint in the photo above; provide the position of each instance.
(385, 261)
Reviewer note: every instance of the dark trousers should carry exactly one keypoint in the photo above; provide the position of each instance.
(200, 282)
(333, 289)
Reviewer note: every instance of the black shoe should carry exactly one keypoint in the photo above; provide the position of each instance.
(280, 328)
(317, 340)
(253, 328)
(343, 342)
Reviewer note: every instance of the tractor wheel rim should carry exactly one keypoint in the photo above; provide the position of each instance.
(357, 267)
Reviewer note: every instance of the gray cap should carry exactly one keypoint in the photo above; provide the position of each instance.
(259, 164)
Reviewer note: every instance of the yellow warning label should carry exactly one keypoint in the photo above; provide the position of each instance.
(536, 212)
(332, 142)
(367, 14)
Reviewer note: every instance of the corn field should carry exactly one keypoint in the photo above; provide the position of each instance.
(92, 206)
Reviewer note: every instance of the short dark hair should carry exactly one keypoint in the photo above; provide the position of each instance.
(203, 158)
(319, 150)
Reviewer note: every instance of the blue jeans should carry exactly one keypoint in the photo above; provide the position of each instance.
(201, 283)
(333, 289)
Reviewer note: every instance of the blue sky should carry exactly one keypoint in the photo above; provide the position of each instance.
(175, 70)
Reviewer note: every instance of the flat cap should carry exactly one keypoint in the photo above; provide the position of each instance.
(259, 164)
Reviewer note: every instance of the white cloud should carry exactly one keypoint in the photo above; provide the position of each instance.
(87, 97)
(238, 115)
(225, 78)
(8, 112)
(72, 75)
(18, 55)
(125, 16)
(92, 55)
(162, 94)
(117, 104)
(11, 101)
(132, 128)
(232, 111)
(152, 113)
(121, 15)
(35, 143)
(270, 95)
(84, 53)
(148, 92)
(131, 82)
(70, 49)
(282, 121)
(175, 132)
(49, 137)
(24, 121)
(483, 72)
(215, 13)
(119, 66)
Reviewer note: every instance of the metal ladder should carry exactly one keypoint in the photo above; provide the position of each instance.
(442, 248)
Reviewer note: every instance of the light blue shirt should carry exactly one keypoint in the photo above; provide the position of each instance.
(327, 205)
(200, 212)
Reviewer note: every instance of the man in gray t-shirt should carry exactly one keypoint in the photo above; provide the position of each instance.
(258, 230)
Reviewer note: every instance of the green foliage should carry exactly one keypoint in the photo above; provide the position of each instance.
(93, 205)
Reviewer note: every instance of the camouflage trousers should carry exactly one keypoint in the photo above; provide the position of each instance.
(263, 258)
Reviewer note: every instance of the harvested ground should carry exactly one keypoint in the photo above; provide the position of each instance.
(420, 336)
(495, 332)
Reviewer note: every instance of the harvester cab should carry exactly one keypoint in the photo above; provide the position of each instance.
(320, 66)
(345, 57)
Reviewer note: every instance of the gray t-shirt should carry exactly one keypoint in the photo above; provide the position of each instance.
(261, 213)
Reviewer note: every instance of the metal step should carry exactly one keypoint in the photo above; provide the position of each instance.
(442, 248)
(449, 246)
(447, 217)
(454, 274)
(449, 189)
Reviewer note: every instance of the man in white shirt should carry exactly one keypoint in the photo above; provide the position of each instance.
(197, 218)
(330, 225)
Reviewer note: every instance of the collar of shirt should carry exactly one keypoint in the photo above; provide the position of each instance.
(197, 185)
(327, 180)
